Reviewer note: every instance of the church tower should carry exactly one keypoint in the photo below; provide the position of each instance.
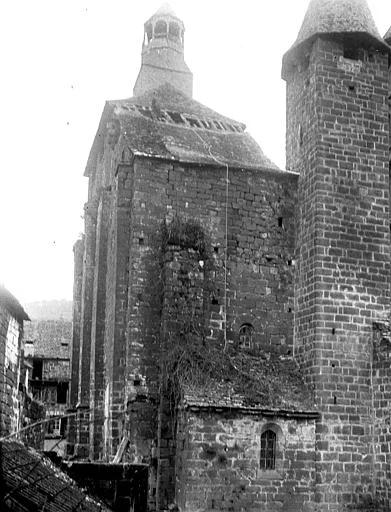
(337, 139)
(162, 58)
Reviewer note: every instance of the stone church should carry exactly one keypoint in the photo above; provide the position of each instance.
(231, 319)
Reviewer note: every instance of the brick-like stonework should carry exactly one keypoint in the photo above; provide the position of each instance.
(218, 463)
(299, 258)
(337, 139)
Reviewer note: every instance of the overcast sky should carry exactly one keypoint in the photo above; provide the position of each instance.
(62, 59)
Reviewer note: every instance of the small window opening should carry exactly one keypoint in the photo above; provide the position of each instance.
(174, 30)
(176, 117)
(137, 382)
(193, 122)
(352, 88)
(148, 31)
(246, 334)
(63, 426)
(37, 369)
(216, 249)
(29, 342)
(335, 400)
(280, 222)
(141, 241)
(351, 52)
(161, 28)
(268, 450)
(62, 392)
(145, 112)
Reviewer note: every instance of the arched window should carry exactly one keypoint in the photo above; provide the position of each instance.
(268, 450)
(174, 30)
(246, 335)
(161, 28)
(148, 31)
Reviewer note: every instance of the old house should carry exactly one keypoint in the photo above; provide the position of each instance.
(230, 322)
(47, 350)
(18, 408)
(12, 318)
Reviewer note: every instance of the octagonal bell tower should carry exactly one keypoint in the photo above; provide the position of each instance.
(163, 54)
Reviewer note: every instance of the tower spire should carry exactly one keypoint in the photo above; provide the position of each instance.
(337, 19)
(162, 58)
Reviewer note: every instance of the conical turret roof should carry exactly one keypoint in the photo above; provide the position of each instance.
(387, 37)
(165, 10)
(336, 17)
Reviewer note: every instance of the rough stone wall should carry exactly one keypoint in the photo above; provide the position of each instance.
(260, 266)
(218, 463)
(78, 251)
(339, 109)
(98, 330)
(260, 250)
(184, 314)
(11, 332)
(381, 381)
(83, 433)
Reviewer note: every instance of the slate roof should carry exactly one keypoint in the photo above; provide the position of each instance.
(167, 124)
(270, 384)
(337, 17)
(9, 302)
(29, 481)
(49, 338)
(387, 37)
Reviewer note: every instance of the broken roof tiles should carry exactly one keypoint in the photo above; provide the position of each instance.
(272, 385)
(30, 481)
(165, 123)
(337, 17)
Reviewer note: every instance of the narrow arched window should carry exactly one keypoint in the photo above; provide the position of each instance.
(174, 30)
(246, 334)
(160, 28)
(268, 450)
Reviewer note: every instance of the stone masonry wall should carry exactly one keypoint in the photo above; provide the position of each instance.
(260, 225)
(381, 381)
(260, 263)
(11, 332)
(339, 109)
(97, 384)
(218, 463)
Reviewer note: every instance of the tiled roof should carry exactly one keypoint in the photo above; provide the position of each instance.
(48, 338)
(268, 383)
(8, 301)
(387, 37)
(31, 482)
(166, 123)
(337, 17)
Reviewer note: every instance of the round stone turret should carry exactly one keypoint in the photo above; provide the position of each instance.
(163, 54)
(342, 19)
